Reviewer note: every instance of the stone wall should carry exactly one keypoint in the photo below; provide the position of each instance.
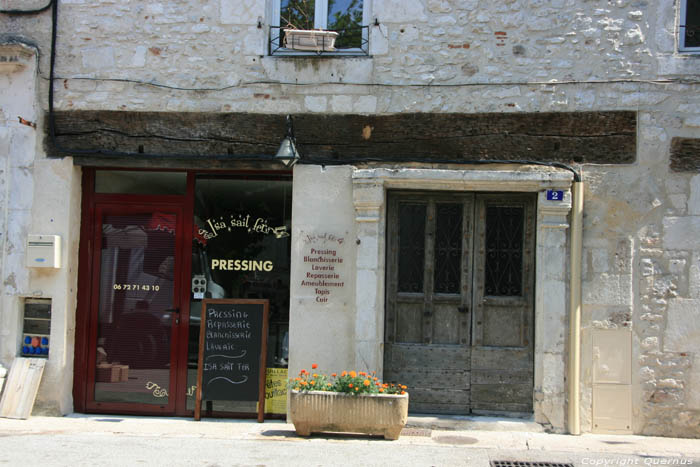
(641, 255)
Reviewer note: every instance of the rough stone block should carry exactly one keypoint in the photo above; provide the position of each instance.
(241, 11)
(681, 233)
(694, 200)
(693, 384)
(399, 11)
(341, 104)
(316, 103)
(694, 276)
(365, 104)
(682, 332)
(608, 289)
(98, 58)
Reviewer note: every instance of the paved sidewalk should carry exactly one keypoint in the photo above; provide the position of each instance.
(504, 438)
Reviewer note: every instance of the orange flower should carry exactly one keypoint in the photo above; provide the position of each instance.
(362, 373)
(303, 383)
(313, 382)
(357, 389)
(404, 387)
(350, 385)
(366, 382)
(302, 372)
(376, 379)
(314, 366)
(381, 389)
(297, 379)
(353, 374)
(344, 373)
(329, 384)
(403, 392)
(334, 374)
(315, 375)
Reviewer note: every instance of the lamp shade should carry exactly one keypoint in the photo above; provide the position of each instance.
(287, 153)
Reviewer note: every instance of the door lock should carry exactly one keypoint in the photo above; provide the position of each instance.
(463, 309)
(176, 312)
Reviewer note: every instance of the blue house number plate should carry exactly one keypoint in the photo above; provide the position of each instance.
(555, 195)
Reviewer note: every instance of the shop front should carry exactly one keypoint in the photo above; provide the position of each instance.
(436, 269)
(154, 244)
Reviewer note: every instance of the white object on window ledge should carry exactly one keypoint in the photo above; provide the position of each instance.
(310, 39)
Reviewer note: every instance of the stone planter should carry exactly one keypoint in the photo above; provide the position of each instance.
(373, 414)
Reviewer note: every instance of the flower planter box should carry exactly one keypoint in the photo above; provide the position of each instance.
(310, 40)
(372, 414)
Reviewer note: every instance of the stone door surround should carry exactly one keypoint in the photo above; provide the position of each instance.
(370, 186)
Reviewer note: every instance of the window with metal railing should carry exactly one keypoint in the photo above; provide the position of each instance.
(689, 31)
(323, 27)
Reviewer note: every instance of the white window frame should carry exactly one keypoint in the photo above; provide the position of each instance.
(320, 22)
(681, 30)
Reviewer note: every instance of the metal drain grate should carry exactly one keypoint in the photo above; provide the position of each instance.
(529, 464)
(416, 432)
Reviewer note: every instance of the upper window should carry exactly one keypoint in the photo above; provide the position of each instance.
(690, 26)
(319, 26)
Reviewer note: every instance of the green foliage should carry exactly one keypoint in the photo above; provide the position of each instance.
(297, 14)
(347, 22)
(346, 19)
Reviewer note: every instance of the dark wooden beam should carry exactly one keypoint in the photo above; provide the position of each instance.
(685, 154)
(582, 137)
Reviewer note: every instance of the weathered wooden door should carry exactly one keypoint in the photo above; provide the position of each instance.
(460, 301)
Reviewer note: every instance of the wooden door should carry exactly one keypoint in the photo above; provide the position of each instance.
(503, 333)
(459, 301)
(429, 298)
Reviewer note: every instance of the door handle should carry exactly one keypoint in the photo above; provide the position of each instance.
(176, 312)
(463, 309)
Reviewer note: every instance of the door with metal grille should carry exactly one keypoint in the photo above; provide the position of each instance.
(459, 300)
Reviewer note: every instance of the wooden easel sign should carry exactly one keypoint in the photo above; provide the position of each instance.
(232, 352)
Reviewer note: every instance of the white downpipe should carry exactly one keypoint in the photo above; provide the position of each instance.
(575, 309)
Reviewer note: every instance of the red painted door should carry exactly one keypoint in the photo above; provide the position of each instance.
(135, 308)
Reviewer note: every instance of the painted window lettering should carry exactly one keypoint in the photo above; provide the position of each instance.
(241, 265)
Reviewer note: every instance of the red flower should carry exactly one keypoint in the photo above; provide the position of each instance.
(314, 366)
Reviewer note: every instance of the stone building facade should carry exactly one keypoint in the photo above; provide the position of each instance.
(441, 87)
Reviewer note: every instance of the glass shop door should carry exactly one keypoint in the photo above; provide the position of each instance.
(137, 255)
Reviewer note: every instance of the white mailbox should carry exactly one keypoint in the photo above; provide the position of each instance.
(43, 251)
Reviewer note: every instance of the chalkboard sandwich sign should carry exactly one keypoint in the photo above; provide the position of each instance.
(232, 350)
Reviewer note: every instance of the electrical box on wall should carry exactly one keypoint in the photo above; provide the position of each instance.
(36, 327)
(43, 251)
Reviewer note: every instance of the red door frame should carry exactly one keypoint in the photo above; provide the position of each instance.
(87, 269)
(88, 294)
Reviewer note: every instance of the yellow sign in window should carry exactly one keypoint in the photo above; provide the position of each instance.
(276, 391)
